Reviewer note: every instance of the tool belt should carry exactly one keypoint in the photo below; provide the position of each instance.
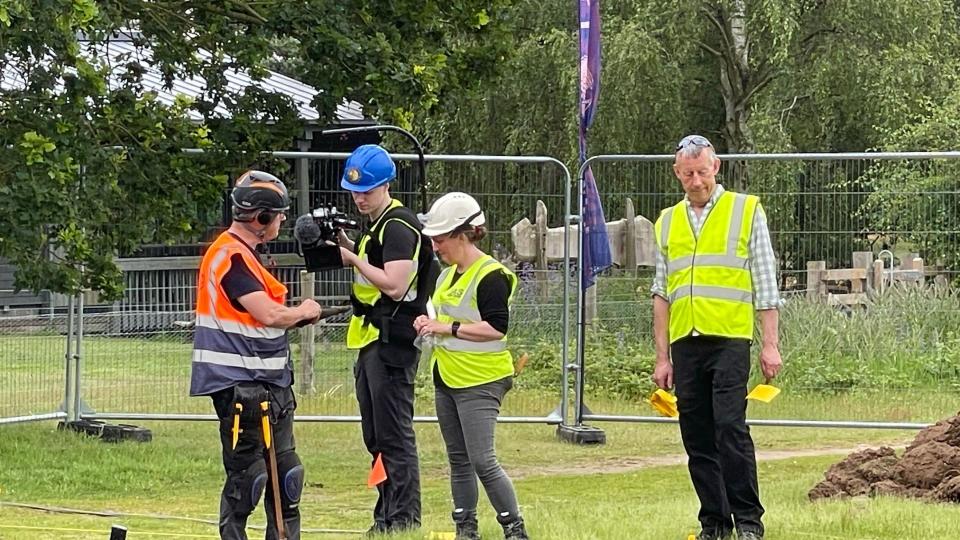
(395, 322)
(251, 394)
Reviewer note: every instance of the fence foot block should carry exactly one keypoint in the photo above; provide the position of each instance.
(107, 432)
(581, 434)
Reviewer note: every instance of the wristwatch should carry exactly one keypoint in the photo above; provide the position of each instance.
(454, 327)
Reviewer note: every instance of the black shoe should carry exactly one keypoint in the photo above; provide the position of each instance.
(714, 535)
(378, 528)
(513, 528)
(466, 522)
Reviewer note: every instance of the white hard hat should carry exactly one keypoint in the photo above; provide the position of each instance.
(451, 211)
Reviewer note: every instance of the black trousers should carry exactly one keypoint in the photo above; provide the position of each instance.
(710, 374)
(385, 395)
(247, 473)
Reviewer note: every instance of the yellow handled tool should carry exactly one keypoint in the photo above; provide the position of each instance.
(236, 424)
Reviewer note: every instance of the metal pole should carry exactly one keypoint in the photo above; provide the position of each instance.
(68, 385)
(78, 364)
(568, 220)
(581, 304)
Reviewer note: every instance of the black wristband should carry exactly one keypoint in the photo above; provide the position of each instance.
(454, 328)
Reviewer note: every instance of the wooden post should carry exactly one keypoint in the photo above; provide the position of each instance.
(815, 285)
(307, 336)
(630, 238)
(864, 259)
(879, 283)
(541, 262)
(590, 303)
(303, 180)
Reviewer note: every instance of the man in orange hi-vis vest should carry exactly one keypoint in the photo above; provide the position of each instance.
(241, 358)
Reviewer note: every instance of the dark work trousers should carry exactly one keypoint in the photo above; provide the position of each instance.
(385, 395)
(246, 465)
(468, 417)
(710, 374)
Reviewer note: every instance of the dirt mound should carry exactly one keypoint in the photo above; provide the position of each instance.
(928, 469)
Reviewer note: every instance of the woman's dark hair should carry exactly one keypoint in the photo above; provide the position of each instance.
(473, 233)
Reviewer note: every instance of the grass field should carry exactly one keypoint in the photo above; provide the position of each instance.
(633, 487)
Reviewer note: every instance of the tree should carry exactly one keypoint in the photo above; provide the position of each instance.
(90, 164)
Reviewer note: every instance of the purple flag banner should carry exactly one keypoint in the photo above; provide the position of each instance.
(593, 227)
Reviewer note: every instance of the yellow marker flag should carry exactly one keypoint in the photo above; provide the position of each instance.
(664, 403)
(764, 392)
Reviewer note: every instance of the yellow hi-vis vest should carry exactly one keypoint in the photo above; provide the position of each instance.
(709, 286)
(360, 332)
(465, 363)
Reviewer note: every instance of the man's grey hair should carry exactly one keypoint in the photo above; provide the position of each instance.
(692, 145)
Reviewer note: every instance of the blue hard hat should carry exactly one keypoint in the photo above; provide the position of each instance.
(367, 167)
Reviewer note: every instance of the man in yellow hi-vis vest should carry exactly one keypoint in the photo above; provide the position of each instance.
(715, 269)
(394, 274)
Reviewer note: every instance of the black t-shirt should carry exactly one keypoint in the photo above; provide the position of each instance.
(493, 292)
(399, 242)
(239, 280)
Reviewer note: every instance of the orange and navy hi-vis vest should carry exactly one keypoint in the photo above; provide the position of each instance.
(230, 346)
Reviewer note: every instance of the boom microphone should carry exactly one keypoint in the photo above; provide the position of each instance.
(306, 230)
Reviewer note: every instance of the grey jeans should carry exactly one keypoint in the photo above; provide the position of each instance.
(467, 419)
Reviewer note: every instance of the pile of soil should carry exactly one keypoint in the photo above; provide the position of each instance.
(928, 469)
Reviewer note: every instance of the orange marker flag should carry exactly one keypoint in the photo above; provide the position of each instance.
(378, 474)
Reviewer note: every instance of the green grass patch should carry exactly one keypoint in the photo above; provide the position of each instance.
(566, 492)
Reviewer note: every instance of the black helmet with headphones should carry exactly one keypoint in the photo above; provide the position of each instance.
(258, 195)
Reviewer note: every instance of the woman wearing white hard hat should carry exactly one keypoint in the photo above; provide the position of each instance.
(472, 368)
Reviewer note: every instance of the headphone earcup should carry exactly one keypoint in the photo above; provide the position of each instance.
(264, 218)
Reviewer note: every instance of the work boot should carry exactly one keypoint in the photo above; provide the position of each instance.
(377, 529)
(714, 535)
(466, 522)
(513, 528)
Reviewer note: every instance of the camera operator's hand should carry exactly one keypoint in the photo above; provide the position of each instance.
(309, 311)
(348, 256)
(344, 240)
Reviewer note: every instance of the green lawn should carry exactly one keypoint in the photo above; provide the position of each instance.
(565, 491)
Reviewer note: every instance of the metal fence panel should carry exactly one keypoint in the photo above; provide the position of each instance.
(895, 358)
(32, 365)
(137, 352)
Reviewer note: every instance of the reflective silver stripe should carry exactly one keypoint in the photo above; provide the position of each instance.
(736, 222)
(236, 360)
(451, 343)
(465, 311)
(707, 291)
(727, 261)
(665, 227)
(234, 327)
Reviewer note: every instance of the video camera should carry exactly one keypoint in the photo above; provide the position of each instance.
(317, 235)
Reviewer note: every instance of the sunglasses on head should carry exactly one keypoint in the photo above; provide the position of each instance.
(693, 140)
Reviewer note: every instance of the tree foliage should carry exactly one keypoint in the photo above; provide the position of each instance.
(91, 163)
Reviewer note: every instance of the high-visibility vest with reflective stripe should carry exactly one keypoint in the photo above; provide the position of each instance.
(360, 332)
(229, 345)
(709, 286)
(465, 363)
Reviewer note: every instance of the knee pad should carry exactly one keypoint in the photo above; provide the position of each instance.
(290, 470)
(248, 487)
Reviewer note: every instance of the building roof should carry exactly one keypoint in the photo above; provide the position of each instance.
(119, 52)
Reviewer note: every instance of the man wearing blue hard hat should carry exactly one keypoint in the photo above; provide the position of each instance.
(394, 274)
